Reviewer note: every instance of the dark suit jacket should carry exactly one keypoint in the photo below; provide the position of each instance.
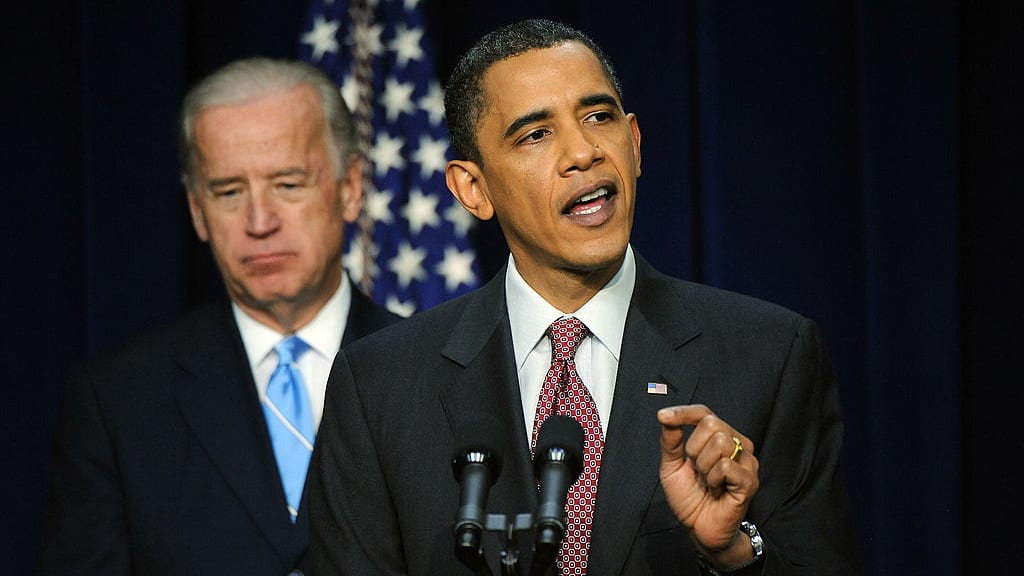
(163, 463)
(384, 497)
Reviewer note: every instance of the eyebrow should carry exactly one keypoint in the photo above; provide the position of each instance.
(221, 182)
(526, 119)
(295, 171)
(598, 99)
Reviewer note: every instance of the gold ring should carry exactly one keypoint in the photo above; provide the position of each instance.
(736, 451)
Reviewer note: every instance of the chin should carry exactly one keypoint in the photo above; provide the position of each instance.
(267, 295)
(603, 253)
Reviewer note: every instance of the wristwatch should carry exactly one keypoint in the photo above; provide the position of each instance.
(756, 541)
(755, 537)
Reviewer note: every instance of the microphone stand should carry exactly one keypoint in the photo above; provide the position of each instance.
(508, 526)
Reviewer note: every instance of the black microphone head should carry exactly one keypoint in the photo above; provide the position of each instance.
(476, 442)
(560, 437)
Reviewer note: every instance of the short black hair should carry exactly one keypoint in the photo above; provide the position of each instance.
(463, 98)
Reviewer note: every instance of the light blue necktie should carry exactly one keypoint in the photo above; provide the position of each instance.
(290, 421)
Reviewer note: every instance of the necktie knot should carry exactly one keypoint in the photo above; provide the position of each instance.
(566, 334)
(290, 350)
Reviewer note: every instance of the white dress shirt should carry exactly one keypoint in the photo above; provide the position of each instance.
(597, 358)
(323, 335)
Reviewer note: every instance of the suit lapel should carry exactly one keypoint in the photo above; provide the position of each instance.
(654, 350)
(220, 405)
(488, 386)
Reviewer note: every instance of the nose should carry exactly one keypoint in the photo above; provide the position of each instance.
(261, 218)
(581, 151)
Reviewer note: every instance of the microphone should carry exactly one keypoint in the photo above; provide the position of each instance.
(476, 465)
(558, 462)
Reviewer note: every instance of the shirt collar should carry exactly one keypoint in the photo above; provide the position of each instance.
(604, 314)
(323, 333)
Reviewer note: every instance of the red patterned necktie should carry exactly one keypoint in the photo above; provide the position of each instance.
(564, 393)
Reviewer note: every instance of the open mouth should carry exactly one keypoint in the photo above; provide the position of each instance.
(590, 203)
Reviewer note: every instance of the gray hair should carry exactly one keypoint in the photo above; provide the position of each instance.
(254, 78)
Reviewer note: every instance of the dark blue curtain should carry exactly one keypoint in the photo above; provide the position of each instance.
(855, 161)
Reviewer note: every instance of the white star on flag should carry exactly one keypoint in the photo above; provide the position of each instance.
(421, 211)
(386, 154)
(378, 206)
(361, 259)
(322, 37)
(408, 264)
(406, 44)
(400, 307)
(433, 103)
(350, 91)
(431, 156)
(397, 98)
(457, 268)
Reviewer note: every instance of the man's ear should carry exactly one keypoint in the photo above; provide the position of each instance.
(198, 219)
(350, 186)
(466, 182)
(634, 127)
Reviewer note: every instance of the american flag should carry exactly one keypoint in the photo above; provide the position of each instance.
(410, 250)
(657, 388)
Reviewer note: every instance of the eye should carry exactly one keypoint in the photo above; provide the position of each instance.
(292, 181)
(225, 192)
(226, 197)
(534, 136)
(291, 189)
(600, 117)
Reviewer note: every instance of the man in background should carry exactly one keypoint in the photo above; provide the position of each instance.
(185, 451)
(711, 420)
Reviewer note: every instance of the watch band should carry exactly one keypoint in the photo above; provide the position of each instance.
(756, 542)
(749, 529)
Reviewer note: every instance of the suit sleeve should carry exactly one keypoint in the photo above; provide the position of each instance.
(84, 527)
(802, 510)
(353, 525)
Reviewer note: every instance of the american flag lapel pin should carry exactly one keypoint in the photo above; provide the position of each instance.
(657, 388)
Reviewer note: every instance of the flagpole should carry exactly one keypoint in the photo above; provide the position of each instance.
(362, 18)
